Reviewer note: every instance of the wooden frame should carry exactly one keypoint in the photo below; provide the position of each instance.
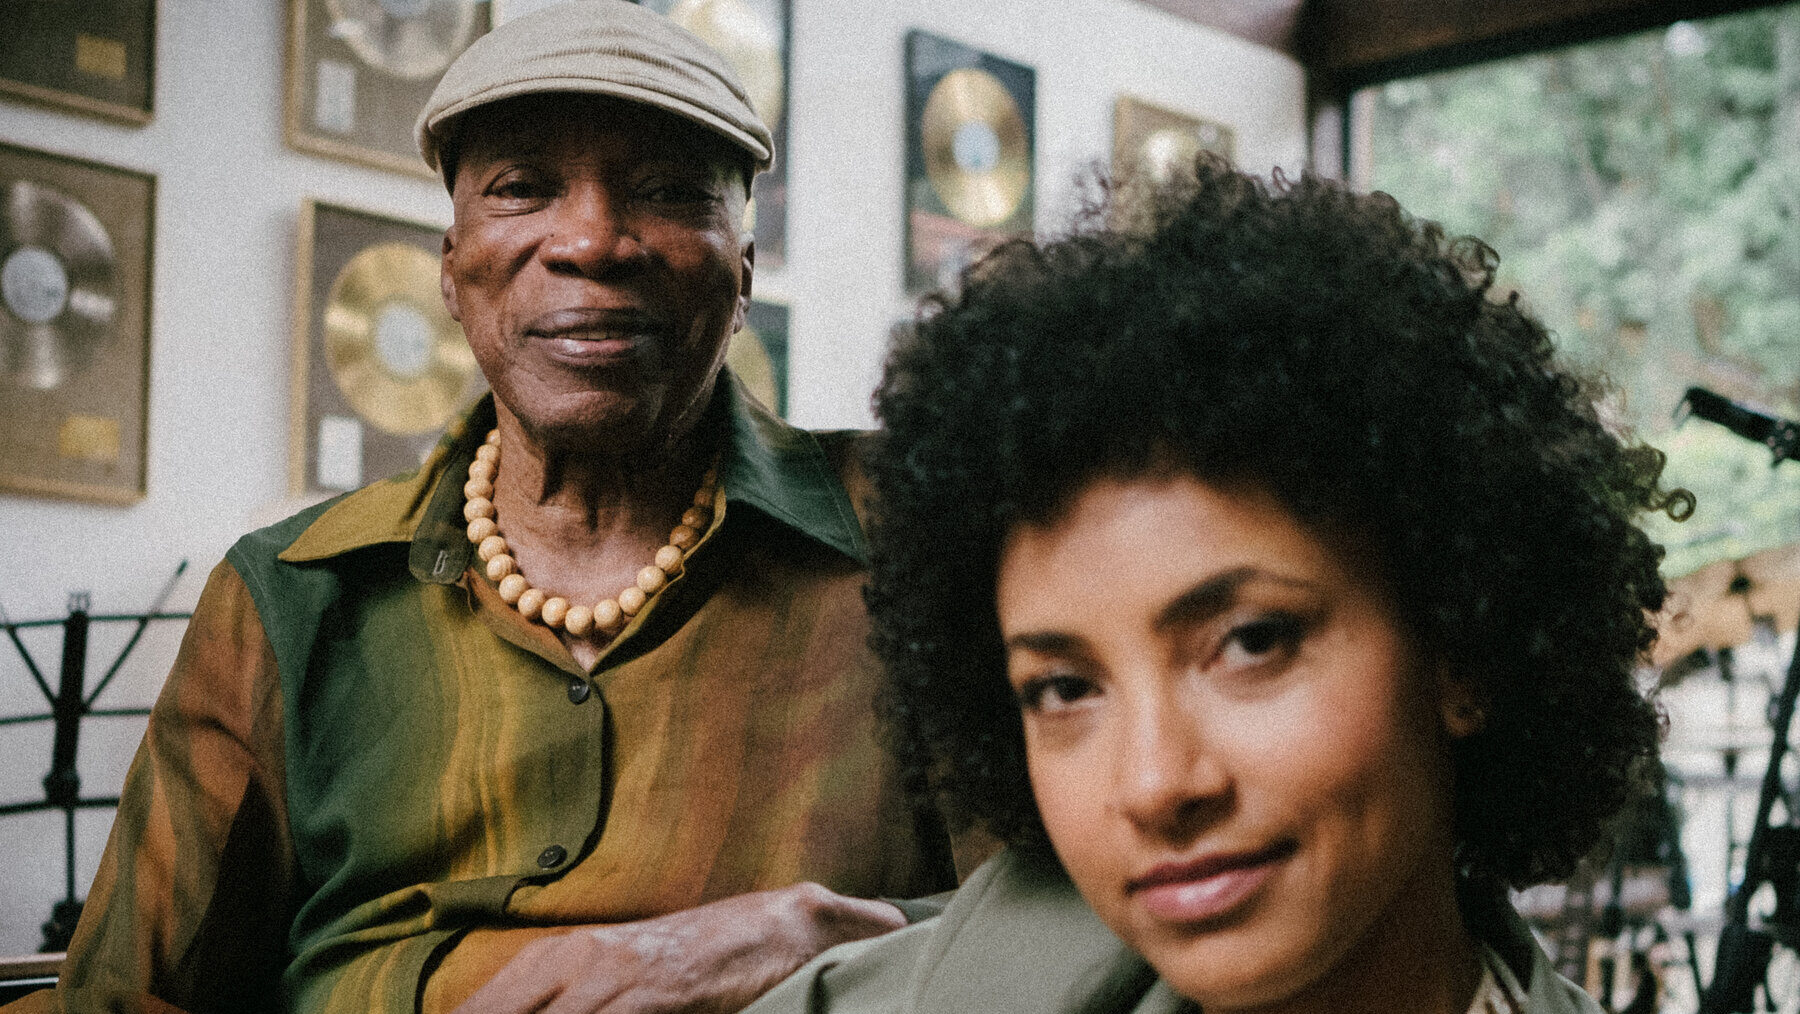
(75, 249)
(1138, 125)
(335, 441)
(97, 57)
(347, 98)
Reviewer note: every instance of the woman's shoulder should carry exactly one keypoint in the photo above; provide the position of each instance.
(1015, 938)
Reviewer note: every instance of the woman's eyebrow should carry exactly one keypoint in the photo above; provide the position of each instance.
(1047, 642)
(1215, 595)
(1205, 600)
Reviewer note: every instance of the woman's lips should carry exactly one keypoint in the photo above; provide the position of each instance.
(1207, 888)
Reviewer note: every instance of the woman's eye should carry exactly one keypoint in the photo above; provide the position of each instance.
(1263, 640)
(1050, 694)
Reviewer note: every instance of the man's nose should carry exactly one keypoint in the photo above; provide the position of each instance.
(591, 231)
(1167, 781)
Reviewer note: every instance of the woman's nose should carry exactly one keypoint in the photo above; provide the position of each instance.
(1167, 781)
(591, 231)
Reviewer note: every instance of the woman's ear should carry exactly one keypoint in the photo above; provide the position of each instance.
(1461, 706)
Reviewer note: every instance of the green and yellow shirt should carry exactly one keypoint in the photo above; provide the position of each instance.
(368, 780)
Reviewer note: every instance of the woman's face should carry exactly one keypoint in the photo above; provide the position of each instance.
(1238, 758)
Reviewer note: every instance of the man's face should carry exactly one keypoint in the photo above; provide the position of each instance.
(596, 266)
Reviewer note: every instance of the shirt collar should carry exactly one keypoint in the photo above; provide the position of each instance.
(779, 469)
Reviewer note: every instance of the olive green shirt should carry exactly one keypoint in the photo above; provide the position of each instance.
(364, 762)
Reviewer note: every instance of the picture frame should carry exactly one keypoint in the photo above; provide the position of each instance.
(358, 75)
(97, 57)
(379, 367)
(75, 283)
(758, 355)
(1157, 141)
(970, 157)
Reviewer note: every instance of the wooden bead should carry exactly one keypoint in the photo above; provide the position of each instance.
(696, 518)
(669, 559)
(556, 609)
(500, 566)
(488, 452)
(511, 587)
(481, 528)
(683, 538)
(580, 620)
(608, 617)
(490, 547)
(631, 600)
(493, 436)
(478, 489)
(478, 507)
(479, 469)
(531, 603)
(651, 579)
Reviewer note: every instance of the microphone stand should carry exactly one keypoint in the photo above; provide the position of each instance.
(1773, 854)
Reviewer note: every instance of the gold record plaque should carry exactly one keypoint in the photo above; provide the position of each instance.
(752, 35)
(74, 326)
(97, 56)
(359, 72)
(1157, 144)
(969, 157)
(758, 355)
(379, 366)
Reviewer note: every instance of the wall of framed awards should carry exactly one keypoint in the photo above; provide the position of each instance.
(241, 160)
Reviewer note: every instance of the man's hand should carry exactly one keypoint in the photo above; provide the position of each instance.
(713, 959)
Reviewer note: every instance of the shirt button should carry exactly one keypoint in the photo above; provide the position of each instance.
(579, 691)
(552, 857)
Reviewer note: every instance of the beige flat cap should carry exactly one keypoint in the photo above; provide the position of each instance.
(601, 47)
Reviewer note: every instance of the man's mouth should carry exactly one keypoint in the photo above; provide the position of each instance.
(594, 337)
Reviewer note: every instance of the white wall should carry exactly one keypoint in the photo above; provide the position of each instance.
(228, 199)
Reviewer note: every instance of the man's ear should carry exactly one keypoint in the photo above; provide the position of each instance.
(1461, 705)
(742, 313)
(445, 284)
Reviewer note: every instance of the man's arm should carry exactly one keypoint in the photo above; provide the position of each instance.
(714, 958)
(189, 910)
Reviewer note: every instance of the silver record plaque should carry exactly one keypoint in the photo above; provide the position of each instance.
(411, 39)
(359, 72)
(75, 240)
(58, 285)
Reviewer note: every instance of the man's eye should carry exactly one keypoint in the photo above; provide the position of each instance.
(516, 188)
(1265, 639)
(677, 192)
(1051, 694)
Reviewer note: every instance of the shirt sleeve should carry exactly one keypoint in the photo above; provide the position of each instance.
(190, 908)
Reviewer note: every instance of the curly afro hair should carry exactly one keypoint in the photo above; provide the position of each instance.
(1330, 349)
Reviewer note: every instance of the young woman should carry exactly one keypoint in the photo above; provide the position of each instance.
(1252, 567)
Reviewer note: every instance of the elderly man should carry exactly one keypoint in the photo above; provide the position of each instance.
(578, 716)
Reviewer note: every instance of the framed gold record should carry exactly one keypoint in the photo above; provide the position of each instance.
(75, 241)
(758, 355)
(379, 365)
(969, 156)
(1158, 144)
(359, 72)
(96, 57)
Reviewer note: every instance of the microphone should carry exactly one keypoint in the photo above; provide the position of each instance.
(1780, 436)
